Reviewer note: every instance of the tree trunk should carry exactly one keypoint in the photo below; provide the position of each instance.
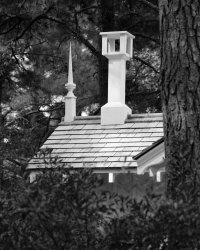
(1, 135)
(103, 79)
(180, 84)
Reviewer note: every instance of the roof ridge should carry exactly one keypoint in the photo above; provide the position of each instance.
(97, 117)
(145, 115)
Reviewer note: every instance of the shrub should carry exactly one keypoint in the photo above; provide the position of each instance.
(58, 211)
(160, 224)
(63, 210)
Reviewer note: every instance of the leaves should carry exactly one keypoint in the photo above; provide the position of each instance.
(65, 209)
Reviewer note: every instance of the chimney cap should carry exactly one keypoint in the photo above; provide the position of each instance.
(116, 34)
(117, 44)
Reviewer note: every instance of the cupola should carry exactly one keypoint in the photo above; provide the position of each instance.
(118, 48)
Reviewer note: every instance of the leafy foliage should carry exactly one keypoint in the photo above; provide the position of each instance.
(58, 211)
(63, 209)
(143, 93)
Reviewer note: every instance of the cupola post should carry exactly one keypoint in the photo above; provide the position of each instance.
(70, 98)
(118, 48)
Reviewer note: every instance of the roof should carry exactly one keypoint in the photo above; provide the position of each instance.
(155, 144)
(86, 143)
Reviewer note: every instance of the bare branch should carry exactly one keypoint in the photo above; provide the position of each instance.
(72, 32)
(144, 93)
(42, 111)
(22, 115)
(12, 28)
(76, 35)
(88, 8)
(28, 27)
(22, 4)
(76, 21)
(39, 17)
(21, 66)
(151, 5)
(146, 36)
(41, 54)
(15, 162)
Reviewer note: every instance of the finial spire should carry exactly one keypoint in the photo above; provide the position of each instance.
(70, 86)
(70, 72)
(70, 99)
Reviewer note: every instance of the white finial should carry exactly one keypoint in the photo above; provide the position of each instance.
(70, 99)
(70, 72)
(70, 86)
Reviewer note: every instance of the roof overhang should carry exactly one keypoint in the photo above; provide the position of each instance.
(35, 171)
(150, 159)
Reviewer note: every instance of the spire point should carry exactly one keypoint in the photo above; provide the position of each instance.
(70, 71)
(70, 86)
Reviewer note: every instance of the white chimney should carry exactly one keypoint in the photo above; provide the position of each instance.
(70, 99)
(118, 48)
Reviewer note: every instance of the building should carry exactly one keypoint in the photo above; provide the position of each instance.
(117, 142)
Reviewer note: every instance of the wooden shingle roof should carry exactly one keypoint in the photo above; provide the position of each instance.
(86, 143)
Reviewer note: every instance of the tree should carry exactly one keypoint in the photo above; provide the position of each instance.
(58, 21)
(180, 78)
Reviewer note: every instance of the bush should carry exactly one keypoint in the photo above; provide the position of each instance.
(63, 210)
(58, 211)
(159, 224)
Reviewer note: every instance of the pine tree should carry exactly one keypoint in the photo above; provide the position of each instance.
(180, 78)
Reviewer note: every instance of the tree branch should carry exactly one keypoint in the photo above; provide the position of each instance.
(28, 27)
(87, 8)
(151, 5)
(41, 54)
(12, 28)
(21, 66)
(78, 36)
(22, 4)
(146, 36)
(30, 113)
(39, 17)
(15, 162)
(146, 63)
(42, 111)
(144, 93)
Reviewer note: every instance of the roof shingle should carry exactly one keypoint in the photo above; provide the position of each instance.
(86, 143)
